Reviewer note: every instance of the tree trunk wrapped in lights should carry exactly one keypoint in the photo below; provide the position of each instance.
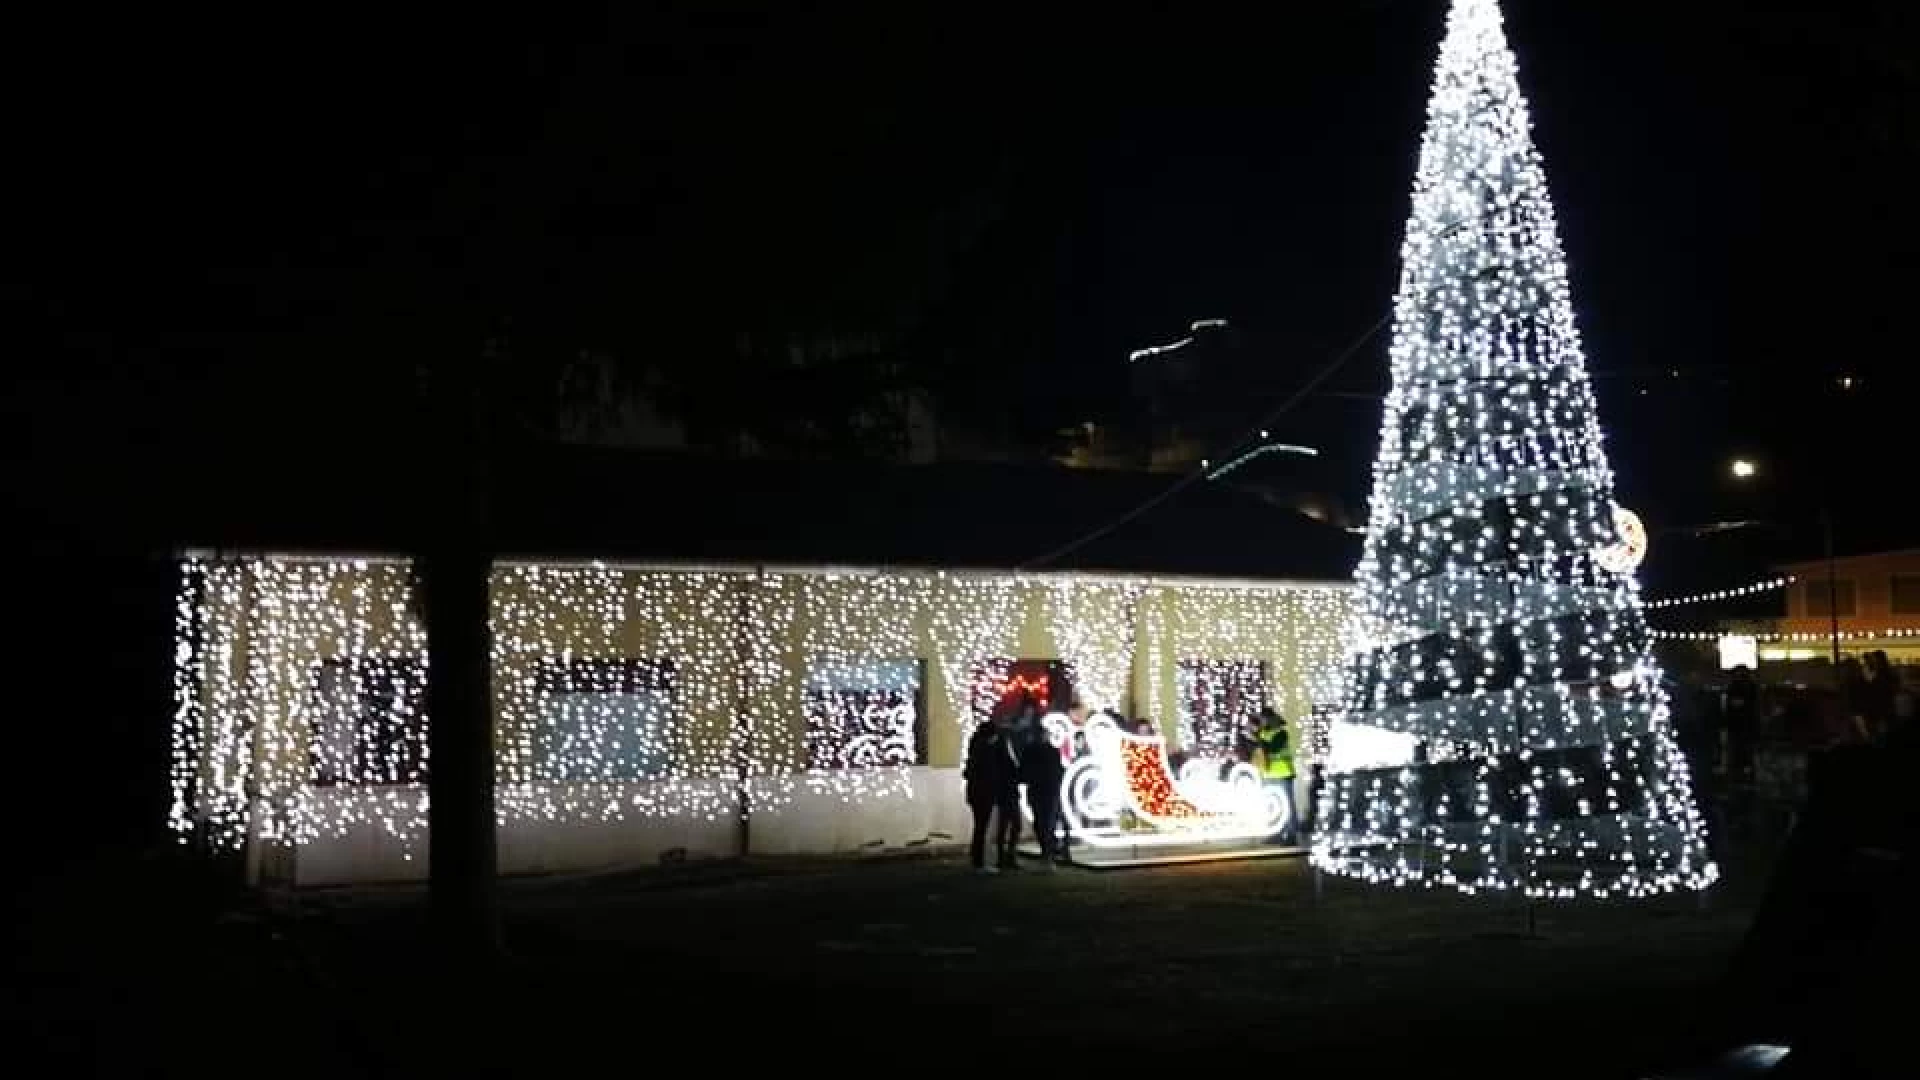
(1503, 724)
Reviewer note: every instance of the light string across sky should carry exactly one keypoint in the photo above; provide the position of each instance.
(1891, 634)
(1754, 589)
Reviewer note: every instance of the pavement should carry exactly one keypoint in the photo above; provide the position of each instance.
(877, 963)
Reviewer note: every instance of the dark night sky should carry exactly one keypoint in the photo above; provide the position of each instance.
(281, 211)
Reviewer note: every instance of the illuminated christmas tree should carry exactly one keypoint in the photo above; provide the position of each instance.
(1503, 723)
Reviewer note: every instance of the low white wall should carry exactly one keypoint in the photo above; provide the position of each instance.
(371, 837)
(925, 807)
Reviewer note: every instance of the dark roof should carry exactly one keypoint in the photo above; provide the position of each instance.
(627, 505)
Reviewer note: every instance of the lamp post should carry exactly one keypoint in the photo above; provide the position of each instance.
(1833, 590)
(1747, 469)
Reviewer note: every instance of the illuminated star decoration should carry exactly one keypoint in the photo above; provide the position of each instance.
(1625, 555)
(1503, 725)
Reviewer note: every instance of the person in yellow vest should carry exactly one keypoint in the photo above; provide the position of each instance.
(1276, 760)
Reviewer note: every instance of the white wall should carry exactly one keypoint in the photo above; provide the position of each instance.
(814, 821)
(824, 823)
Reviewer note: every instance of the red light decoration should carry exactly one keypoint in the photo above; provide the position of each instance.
(1017, 686)
(1000, 683)
(1150, 783)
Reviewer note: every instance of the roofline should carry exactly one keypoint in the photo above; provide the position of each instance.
(809, 569)
(1822, 561)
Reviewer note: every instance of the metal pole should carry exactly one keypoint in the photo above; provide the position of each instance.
(1833, 591)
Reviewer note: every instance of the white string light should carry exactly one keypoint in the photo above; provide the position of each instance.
(1093, 627)
(1892, 633)
(1504, 725)
(643, 692)
(1723, 594)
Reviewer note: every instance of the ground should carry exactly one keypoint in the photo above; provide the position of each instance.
(1234, 965)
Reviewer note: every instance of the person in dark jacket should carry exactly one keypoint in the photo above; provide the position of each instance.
(1041, 770)
(989, 770)
(993, 786)
(1740, 720)
(1879, 693)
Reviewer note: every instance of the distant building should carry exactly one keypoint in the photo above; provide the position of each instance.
(1876, 598)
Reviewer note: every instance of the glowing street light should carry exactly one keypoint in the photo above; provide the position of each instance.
(1744, 469)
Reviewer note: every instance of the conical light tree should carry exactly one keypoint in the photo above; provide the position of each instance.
(1503, 726)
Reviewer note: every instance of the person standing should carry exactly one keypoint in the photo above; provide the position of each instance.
(1691, 732)
(1043, 769)
(1276, 764)
(988, 773)
(1740, 713)
(1006, 808)
(1906, 709)
(1879, 695)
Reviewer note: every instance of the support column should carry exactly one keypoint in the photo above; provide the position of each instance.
(455, 577)
(461, 812)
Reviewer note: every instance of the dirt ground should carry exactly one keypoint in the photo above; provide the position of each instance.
(914, 963)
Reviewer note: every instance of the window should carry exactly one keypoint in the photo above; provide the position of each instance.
(1818, 596)
(1001, 683)
(603, 719)
(864, 714)
(1319, 731)
(1906, 594)
(368, 722)
(1219, 702)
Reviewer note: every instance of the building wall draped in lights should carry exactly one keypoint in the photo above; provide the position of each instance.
(639, 709)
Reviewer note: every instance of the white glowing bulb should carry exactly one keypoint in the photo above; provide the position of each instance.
(609, 681)
(1497, 601)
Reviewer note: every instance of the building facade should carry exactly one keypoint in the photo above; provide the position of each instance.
(648, 712)
(1874, 600)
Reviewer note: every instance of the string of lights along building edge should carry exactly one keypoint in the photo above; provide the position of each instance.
(645, 710)
(1503, 725)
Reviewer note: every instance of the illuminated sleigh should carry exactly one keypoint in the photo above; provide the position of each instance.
(1117, 774)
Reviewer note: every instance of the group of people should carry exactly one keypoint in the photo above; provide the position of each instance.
(1879, 705)
(1013, 748)
(1872, 705)
(1019, 747)
(1722, 729)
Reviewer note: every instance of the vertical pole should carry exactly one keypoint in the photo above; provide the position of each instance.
(454, 581)
(1833, 592)
(460, 807)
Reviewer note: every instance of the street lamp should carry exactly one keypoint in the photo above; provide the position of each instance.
(1745, 469)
